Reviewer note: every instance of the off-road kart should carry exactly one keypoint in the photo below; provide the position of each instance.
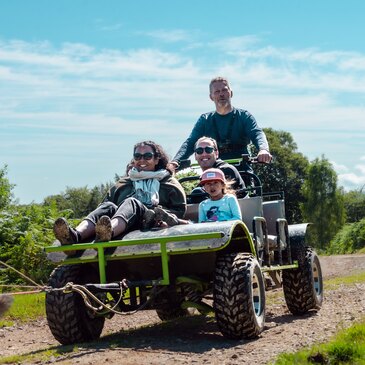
(222, 268)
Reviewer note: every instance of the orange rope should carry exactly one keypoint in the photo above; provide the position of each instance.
(24, 292)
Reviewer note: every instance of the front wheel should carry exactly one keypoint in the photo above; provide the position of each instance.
(239, 296)
(68, 318)
(303, 287)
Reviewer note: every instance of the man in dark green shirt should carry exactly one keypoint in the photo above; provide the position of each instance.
(232, 128)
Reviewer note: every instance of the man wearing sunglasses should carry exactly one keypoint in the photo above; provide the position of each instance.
(207, 156)
(232, 128)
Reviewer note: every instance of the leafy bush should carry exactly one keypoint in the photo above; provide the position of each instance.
(349, 239)
(78, 201)
(188, 185)
(24, 231)
(355, 205)
(5, 189)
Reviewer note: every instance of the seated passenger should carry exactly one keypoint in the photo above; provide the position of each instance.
(149, 195)
(207, 156)
(222, 204)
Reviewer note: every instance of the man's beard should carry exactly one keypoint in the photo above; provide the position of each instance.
(223, 103)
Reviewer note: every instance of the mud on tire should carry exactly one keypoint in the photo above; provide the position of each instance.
(239, 296)
(303, 287)
(68, 318)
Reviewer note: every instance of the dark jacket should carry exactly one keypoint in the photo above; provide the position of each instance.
(231, 173)
(171, 193)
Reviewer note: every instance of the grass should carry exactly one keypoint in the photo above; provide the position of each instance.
(333, 283)
(29, 307)
(39, 356)
(25, 308)
(347, 347)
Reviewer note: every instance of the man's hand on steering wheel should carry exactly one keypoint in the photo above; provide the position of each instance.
(264, 156)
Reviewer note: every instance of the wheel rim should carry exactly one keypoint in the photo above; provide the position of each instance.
(257, 299)
(317, 282)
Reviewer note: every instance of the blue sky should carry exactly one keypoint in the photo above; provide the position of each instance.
(82, 81)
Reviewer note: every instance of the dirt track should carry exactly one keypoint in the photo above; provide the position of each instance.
(196, 339)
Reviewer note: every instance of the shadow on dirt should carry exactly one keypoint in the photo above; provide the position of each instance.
(197, 334)
(288, 318)
(194, 334)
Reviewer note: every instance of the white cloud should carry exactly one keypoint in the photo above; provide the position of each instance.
(352, 181)
(170, 36)
(233, 45)
(361, 168)
(76, 89)
(338, 167)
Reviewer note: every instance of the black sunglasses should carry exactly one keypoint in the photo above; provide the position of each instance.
(207, 149)
(146, 156)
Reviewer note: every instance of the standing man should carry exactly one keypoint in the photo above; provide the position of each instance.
(232, 128)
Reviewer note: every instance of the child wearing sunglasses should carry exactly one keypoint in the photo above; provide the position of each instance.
(149, 195)
(222, 204)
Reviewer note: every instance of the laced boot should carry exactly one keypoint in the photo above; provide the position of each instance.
(162, 215)
(148, 220)
(103, 229)
(65, 234)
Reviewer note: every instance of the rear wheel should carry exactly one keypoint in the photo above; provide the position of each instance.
(68, 318)
(239, 296)
(303, 287)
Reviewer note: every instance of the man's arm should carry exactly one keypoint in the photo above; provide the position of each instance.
(187, 148)
(258, 138)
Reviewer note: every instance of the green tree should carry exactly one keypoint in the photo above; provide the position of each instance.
(349, 239)
(355, 205)
(24, 231)
(323, 203)
(78, 201)
(5, 188)
(286, 173)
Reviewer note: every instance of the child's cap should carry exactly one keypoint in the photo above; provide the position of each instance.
(212, 175)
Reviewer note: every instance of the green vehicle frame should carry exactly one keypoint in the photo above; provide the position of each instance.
(222, 268)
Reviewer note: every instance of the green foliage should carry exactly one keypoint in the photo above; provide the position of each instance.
(349, 239)
(25, 308)
(24, 231)
(188, 185)
(286, 173)
(348, 347)
(323, 203)
(78, 201)
(352, 279)
(355, 205)
(5, 188)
